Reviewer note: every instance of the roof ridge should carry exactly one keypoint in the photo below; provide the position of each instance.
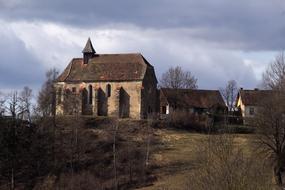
(180, 89)
(135, 53)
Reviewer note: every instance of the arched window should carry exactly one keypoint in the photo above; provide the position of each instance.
(108, 90)
(149, 109)
(59, 95)
(90, 94)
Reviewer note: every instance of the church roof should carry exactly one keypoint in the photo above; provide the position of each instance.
(88, 47)
(189, 98)
(106, 67)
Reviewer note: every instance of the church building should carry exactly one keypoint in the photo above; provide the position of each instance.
(118, 85)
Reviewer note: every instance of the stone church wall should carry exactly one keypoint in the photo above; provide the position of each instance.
(122, 94)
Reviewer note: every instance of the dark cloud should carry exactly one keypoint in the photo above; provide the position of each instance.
(18, 68)
(247, 24)
(201, 36)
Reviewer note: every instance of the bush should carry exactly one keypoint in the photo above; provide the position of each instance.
(222, 165)
(241, 129)
(186, 120)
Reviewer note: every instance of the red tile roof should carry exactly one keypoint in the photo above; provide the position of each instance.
(253, 97)
(106, 67)
(187, 98)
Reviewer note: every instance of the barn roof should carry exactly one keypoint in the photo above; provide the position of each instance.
(253, 97)
(106, 67)
(187, 98)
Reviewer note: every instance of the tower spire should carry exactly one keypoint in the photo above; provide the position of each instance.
(88, 51)
(89, 47)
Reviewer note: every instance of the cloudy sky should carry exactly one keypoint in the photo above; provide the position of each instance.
(217, 40)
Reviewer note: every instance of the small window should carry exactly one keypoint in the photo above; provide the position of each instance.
(251, 111)
(108, 90)
(74, 89)
(90, 90)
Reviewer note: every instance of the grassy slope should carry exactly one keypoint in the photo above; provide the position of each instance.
(176, 157)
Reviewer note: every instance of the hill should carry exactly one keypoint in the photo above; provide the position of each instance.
(102, 153)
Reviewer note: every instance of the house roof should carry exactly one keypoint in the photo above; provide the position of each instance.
(186, 98)
(253, 97)
(106, 67)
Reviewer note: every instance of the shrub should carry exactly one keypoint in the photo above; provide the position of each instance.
(222, 165)
(189, 121)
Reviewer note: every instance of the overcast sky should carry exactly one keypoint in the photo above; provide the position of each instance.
(217, 40)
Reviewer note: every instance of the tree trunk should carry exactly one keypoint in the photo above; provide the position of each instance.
(130, 163)
(146, 161)
(29, 117)
(114, 156)
(12, 179)
(278, 176)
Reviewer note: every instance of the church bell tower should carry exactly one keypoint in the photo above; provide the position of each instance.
(88, 51)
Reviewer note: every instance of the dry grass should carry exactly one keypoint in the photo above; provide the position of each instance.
(177, 158)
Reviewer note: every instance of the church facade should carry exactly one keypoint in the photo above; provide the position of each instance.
(116, 85)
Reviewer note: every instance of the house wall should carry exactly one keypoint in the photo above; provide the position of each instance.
(248, 118)
(59, 97)
(132, 88)
(241, 106)
(245, 111)
(163, 103)
(149, 93)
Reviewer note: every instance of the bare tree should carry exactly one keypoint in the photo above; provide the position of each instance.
(2, 104)
(270, 119)
(176, 78)
(47, 95)
(13, 108)
(47, 105)
(270, 124)
(71, 106)
(13, 104)
(229, 94)
(148, 146)
(115, 131)
(72, 101)
(148, 138)
(222, 164)
(273, 77)
(25, 101)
